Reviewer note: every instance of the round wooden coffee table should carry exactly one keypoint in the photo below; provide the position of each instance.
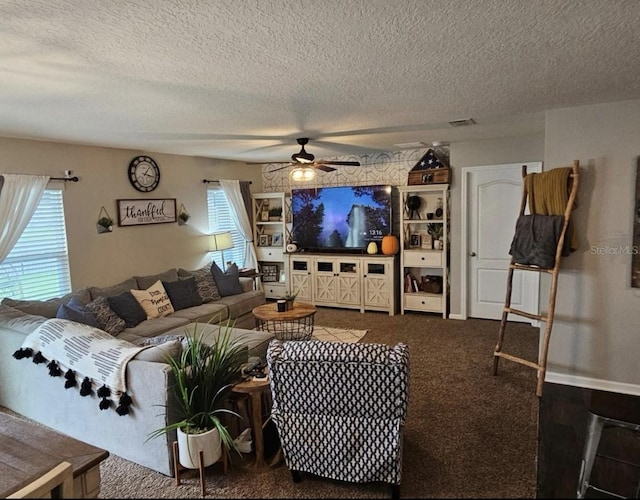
(294, 324)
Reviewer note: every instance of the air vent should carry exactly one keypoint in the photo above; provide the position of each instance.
(462, 123)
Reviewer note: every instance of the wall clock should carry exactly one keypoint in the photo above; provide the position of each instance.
(144, 174)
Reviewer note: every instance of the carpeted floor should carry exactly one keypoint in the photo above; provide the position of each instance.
(469, 434)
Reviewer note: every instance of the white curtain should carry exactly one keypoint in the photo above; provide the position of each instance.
(19, 198)
(233, 193)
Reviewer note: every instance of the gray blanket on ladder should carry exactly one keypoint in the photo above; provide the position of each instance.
(536, 240)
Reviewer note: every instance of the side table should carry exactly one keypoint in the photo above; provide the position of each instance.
(256, 389)
(293, 324)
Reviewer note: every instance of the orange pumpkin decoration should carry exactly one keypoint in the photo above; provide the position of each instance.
(390, 245)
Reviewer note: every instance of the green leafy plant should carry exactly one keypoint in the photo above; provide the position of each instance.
(435, 230)
(291, 296)
(204, 374)
(105, 222)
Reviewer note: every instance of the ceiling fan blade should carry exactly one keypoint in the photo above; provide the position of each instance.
(352, 163)
(280, 168)
(324, 168)
(288, 163)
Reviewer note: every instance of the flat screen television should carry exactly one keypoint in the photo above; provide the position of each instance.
(340, 218)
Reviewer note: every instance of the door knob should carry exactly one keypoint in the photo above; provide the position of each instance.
(472, 254)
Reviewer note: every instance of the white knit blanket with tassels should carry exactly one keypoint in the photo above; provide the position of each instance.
(88, 351)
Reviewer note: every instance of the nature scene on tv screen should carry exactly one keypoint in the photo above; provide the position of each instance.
(340, 217)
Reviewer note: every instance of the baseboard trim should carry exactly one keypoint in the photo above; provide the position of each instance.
(592, 383)
(457, 316)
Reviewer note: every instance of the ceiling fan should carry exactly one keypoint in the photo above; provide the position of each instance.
(305, 159)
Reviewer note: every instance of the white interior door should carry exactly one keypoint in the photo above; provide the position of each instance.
(493, 206)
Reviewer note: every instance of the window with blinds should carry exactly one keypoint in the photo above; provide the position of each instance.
(38, 265)
(221, 219)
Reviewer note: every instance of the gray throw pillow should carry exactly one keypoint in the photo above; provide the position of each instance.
(228, 282)
(110, 291)
(107, 319)
(207, 288)
(46, 308)
(128, 308)
(183, 293)
(145, 282)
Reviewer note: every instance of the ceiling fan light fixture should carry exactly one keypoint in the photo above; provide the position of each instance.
(302, 156)
(302, 174)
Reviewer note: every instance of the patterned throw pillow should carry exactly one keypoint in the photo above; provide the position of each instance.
(207, 288)
(228, 282)
(154, 300)
(107, 320)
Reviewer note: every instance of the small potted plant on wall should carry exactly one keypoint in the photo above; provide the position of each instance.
(105, 224)
(204, 374)
(183, 218)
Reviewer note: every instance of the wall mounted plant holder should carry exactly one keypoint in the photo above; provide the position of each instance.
(105, 222)
(183, 216)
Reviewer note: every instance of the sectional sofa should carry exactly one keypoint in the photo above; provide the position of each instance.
(28, 389)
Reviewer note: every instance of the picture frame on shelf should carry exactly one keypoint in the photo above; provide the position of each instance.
(270, 273)
(264, 216)
(426, 241)
(415, 240)
(264, 240)
(276, 240)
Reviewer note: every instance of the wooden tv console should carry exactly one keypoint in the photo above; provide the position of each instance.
(354, 281)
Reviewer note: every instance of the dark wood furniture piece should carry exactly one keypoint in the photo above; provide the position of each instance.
(30, 450)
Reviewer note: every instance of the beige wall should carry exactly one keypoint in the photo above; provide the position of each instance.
(104, 259)
(595, 339)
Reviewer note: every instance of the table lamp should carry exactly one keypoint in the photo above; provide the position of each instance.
(220, 242)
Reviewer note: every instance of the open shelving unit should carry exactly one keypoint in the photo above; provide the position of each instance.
(424, 263)
(270, 234)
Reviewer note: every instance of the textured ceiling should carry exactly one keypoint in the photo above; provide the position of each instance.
(242, 79)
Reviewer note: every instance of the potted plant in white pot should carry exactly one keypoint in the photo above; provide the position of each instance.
(436, 231)
(204, 374)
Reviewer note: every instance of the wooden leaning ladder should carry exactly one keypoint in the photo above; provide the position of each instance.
(541, 365)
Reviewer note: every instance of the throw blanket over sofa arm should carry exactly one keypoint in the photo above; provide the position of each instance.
(340, 408)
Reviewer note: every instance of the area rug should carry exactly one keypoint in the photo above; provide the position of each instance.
(337, 334)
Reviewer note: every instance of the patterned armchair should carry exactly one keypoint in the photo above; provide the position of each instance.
(340, 408)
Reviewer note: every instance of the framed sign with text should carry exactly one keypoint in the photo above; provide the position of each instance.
(146, 211)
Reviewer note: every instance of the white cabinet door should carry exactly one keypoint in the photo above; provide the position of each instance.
(300, 277)
(348, 281)
(378, 288)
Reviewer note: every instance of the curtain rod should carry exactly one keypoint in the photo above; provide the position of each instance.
(66, 179)
(205, 181)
